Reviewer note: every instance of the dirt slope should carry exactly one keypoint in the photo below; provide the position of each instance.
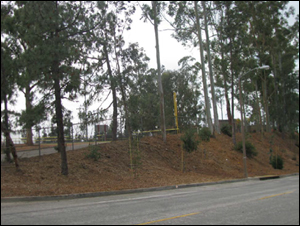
(156, 163)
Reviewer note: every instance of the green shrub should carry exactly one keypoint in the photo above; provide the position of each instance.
(94, 154)
(277, 162)
(205, 134)
(227, 129)
(190, 144)
(250, 149)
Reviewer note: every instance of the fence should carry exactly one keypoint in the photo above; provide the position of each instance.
(92, 132)
(101, 130)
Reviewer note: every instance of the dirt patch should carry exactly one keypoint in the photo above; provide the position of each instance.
(155, 163)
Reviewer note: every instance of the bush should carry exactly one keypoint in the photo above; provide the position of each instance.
(227, 129)
(94, 154)
(277, 162)
(190, 144)
(250, 149)
(205, 134)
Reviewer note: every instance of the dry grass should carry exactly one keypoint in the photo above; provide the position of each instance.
(159, 165)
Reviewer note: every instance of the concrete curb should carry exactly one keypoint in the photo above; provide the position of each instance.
(130, 191)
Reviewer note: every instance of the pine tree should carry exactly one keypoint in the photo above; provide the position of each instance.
(60, 35)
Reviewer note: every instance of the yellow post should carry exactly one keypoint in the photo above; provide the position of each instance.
(175, 111)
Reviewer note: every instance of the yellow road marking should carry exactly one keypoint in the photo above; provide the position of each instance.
(289, 192)
(186, 215)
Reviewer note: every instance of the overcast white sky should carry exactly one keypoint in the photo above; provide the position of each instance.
(171, 52)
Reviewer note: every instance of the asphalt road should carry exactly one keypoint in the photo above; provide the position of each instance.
(44, 151)
(255, 202)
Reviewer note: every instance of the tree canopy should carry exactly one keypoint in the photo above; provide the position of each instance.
(55, 50)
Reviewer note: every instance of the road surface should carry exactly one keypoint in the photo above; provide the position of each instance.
(255, 202)
(44, 151)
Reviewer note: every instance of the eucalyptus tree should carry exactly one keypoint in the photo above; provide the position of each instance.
(212, 82)
(60, 33)
(283, 48)
(188, 31)
(261, 34)
(232, 50)
(153, 15)
(161, 92)
(207, 101)
(271, 40)
(220, 59)
(143, 101)
(236, 32)
(114, 18)
(135, 69)
(252, 44)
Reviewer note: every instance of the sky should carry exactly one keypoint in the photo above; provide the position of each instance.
(170, 53)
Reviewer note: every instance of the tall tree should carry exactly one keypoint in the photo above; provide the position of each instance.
(188, 31)
(220, 59)
(207, 101)
(8, 81)
(61, 32)
(161, 92)
(114, 18)
(212, 81)
(233, 45)
(143, 102)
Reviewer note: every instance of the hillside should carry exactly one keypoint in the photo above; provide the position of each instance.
(158, 164)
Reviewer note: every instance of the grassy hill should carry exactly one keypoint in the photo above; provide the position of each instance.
(155, 164)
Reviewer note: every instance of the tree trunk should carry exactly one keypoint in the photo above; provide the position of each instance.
(225, 79)
(161, 92)
(11, 145)
(207, 102)
(278, 114)
(114, 94)
(28, 124)
(127, 123)
(7, 138)
(259, 113)
(227, 103)
(58, 104)
(60, 126)
(232, 94)
(283, 104)
(212, 83)
(266, 107)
